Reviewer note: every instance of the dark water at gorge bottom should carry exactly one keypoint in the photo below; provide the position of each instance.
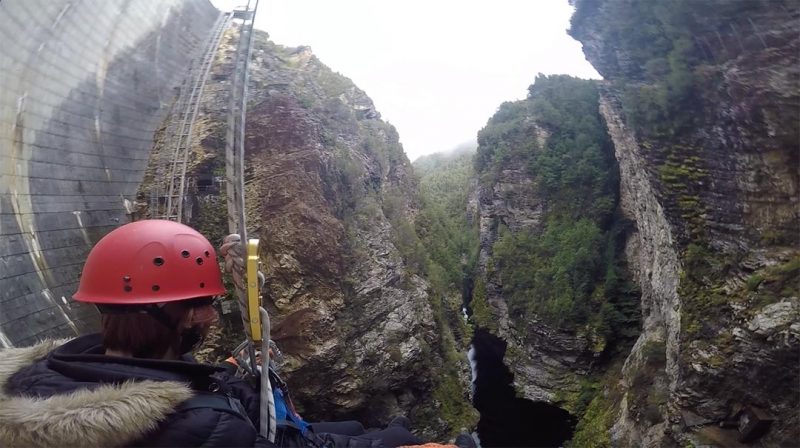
(507, 420)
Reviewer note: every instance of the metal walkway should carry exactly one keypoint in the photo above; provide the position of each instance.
(237, 108)
(174, 157)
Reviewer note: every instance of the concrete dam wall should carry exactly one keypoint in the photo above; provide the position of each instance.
(83, 88)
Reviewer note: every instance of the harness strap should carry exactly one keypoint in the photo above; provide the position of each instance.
(222, 403)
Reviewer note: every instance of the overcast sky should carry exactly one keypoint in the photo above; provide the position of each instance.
(436, 69)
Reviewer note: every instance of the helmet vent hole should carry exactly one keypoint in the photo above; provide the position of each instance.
(155, 288)
(128, 288)
(199, 260)
(207, 254)
(202, 285)
(158, 261)
(185, 254)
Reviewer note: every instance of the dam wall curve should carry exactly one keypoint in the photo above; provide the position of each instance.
(84, 86)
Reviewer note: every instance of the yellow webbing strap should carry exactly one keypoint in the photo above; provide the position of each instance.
(253, 296)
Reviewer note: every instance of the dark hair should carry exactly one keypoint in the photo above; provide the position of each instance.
(144, 336)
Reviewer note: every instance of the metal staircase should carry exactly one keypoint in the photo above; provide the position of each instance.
(237, 108)
(171, 172)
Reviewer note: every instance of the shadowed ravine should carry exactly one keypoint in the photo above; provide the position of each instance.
(507, 420)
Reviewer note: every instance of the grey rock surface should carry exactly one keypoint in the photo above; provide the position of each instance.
(652, 255)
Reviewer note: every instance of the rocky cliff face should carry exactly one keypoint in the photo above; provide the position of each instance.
(545, 361)
(546, 273)
(651, 252)
(331, 196)
(714, 195)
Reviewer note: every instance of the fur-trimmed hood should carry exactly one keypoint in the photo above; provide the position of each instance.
(112, 413)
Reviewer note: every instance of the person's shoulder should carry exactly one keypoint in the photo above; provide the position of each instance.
(26, 367)
(16, 358)
(206, 420)
(101, 415)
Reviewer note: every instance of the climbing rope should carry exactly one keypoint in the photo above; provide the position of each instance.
(255, 318)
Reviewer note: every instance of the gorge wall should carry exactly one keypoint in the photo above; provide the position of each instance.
(702, 105)
(549, 279)
(83, 88)
(331, 195)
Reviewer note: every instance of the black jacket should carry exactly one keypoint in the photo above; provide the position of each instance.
(62, 394)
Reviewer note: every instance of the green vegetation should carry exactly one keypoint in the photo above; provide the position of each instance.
(568, 271)
(210, 215)
(445, 250)
(450, 241)
(593, 428)
(658, 40)
(506, 134)
(481, 313)
(754, 281)
(450, 394)
(646, 398)
(454, 406)
(665, 44)
(597, 404)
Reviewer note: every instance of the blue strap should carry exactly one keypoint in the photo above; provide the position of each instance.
(283, 414)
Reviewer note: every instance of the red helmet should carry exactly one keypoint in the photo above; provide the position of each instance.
(150, 261)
